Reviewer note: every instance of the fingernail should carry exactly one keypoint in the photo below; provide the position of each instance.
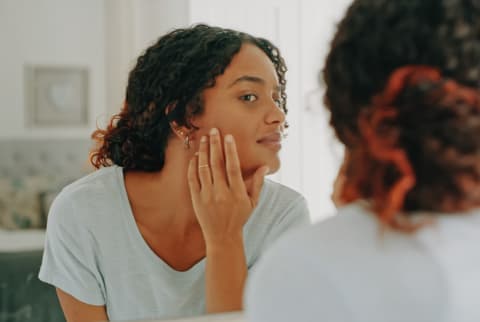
(203, 139)
(228, 138)
(267, 169)
(213, 131)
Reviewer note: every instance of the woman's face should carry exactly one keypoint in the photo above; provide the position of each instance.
(245, 103)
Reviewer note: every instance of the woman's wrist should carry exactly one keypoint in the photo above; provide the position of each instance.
(224, 243)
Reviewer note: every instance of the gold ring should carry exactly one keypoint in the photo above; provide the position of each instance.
(203, 166)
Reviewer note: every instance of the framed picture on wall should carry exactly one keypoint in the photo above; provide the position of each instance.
(56, 96)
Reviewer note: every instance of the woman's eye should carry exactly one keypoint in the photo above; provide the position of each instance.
(249, 97)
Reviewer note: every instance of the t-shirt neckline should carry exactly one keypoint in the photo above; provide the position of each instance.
(135, 232)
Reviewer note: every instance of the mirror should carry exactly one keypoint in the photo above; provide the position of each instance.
(44, 147)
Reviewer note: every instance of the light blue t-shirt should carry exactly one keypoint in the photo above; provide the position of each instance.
(95, 252)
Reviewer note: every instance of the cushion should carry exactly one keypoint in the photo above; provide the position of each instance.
(21, 202)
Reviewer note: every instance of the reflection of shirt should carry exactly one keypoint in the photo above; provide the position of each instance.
(346, 269)
(95, 252)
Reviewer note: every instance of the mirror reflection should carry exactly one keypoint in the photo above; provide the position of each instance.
(131, 240)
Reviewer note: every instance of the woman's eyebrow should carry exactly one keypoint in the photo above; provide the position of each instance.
(247, 78)
(251, 79)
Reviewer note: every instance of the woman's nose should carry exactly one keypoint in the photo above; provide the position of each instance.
(276, 114)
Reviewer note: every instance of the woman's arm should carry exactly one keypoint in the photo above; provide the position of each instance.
(223, 205)
(77, 311)
(226, 273)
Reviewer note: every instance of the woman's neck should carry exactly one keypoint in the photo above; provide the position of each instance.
(161, 200)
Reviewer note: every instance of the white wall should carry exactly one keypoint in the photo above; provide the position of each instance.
(105, 36)
(153, 18)
(321, 153)
(49, 32)
(119, 52)
(132, 26)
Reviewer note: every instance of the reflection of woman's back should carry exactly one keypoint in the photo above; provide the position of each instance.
(178, 211)
(403, 89)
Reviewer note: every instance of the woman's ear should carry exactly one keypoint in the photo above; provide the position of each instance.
(183, 132)
(180, 131)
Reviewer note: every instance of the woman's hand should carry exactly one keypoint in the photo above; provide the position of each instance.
(223, 205)
(219, 195)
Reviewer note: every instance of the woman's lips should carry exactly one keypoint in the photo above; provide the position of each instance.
(272, 141)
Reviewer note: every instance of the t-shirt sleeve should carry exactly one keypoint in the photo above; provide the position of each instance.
(69, 261)
(295, 215)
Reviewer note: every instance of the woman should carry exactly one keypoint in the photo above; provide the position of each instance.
(171, 223)
(403, 88)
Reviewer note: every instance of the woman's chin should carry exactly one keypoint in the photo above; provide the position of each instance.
(273, 167)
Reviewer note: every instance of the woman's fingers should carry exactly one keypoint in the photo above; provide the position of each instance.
(217, 162)
(232, 164)
(203, 166)
(222, 205)
(192, 175)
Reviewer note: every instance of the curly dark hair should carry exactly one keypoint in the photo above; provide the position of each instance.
(165, 86)
(429, 130)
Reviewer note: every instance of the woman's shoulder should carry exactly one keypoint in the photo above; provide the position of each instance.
(345, 263)
(77, 200)
(97, 180)
(278, 202)
(280, 210)
(355, 229)
(354, 236)
(351, 223)
(271, 187)
(276, 195)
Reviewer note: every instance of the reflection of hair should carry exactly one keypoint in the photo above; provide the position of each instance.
(171, 76)
(403, 88)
